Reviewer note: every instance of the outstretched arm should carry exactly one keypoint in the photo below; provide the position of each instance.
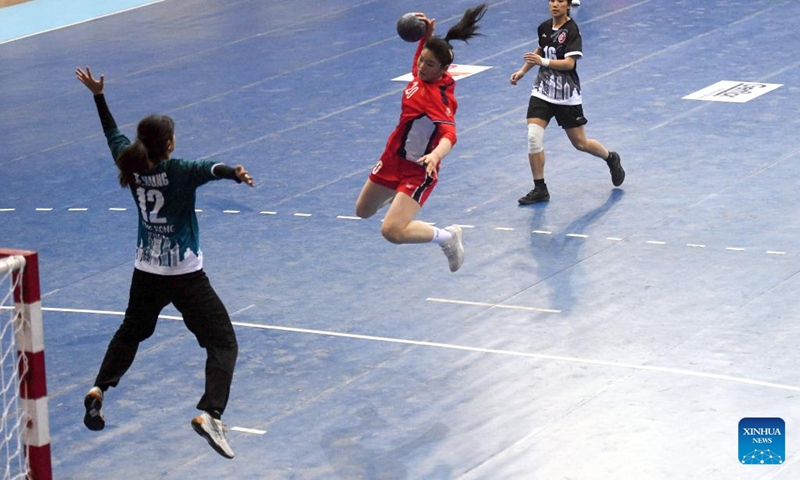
(96, 87)
(239, 173)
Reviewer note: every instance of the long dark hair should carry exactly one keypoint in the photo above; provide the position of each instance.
(465, 29)
(151, 145)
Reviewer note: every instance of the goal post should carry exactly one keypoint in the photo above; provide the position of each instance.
(27, 400)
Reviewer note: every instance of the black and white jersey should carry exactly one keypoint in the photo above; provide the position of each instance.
(559, 86)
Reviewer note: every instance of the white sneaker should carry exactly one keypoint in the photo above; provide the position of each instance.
(214, 432)
(576, 3)
(454, 248)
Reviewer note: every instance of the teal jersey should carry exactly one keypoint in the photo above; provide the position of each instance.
(168, 239)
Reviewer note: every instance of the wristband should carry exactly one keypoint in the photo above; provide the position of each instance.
(545, 62)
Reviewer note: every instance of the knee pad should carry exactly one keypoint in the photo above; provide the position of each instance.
(535, 138)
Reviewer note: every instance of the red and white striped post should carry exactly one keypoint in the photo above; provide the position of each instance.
(33, 384)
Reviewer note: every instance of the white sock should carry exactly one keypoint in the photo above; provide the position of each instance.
(440, 236)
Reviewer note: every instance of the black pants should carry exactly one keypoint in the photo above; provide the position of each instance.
(204, 315)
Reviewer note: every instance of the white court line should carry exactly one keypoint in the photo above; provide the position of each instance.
(117, 209)
(7, 209)
(80, 22)
(449, 346)
(656, 242)
(302, 214)
(577, 235)
(505, 229)
(44, 209)
(543, 232)
(231, 211)
(78, 209)
(267, 213)
(614, 239)
(348, 217)
(775, 252)
(695, 245)
(495, 305)
(248, 430)
(735, 249)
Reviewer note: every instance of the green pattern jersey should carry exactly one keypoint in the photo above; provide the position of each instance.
(169, 239)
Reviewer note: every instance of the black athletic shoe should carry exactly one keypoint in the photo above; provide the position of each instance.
(94, 419)
(617, 172)
(535, 196)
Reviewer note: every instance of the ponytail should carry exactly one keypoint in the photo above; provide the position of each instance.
(465, 29)
(132, 160)
(150, 147)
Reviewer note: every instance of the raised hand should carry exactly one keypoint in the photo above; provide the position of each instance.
(86, 78)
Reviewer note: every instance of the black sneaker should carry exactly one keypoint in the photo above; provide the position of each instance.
(94, 419)
(535, 196)
(617, 173)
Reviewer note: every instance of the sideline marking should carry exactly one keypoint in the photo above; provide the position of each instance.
(495, 305)
(450, 346)
(248, 430)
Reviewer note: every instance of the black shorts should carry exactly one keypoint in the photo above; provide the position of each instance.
(568, 116)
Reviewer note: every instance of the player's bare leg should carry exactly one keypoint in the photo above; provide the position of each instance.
(579, 140)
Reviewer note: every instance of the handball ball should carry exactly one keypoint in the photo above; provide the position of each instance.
(411, 28)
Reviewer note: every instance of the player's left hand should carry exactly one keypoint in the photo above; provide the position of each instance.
(241, 174)
(431, 163)
(531, 57)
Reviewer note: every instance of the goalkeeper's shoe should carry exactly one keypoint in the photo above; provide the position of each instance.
(94, 419)
(213, 431)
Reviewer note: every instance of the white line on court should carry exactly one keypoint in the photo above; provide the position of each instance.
(494, 351)
(248, 430)
(349, 217)
(494, 305)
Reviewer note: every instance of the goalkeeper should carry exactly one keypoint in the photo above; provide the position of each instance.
(169, 264)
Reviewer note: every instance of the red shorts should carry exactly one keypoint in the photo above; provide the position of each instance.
(404, 176)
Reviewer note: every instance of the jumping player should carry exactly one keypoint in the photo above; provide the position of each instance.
(169, 263)
(408, 169)
(557, 93)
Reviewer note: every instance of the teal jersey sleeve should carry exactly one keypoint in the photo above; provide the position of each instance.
(117, 142)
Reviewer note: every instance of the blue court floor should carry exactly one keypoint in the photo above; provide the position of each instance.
(612, 333)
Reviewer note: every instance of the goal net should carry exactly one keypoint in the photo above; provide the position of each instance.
(24, 428)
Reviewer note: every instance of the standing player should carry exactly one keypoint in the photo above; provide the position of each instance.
(408, 169)
(169, 264)
(557, 93)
